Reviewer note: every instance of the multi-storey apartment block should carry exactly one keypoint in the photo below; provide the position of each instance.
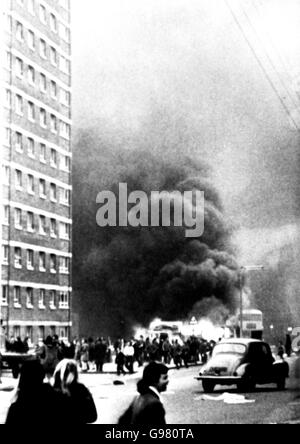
(36, 158)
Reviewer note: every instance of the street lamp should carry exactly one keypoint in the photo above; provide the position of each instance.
(244, 269)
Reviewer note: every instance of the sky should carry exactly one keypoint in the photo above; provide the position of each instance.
(184, 69)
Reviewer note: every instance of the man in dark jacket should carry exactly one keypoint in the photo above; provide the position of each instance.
(147, 407)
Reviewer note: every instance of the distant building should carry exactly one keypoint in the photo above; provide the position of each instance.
(35, 188)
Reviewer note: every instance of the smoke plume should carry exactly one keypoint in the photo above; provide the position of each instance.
(128, 276)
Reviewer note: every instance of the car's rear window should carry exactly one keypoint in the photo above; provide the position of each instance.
(238, 349)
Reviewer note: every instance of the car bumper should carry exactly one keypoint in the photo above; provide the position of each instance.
(221, 380)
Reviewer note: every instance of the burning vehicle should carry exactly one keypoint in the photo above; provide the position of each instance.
(244, 363)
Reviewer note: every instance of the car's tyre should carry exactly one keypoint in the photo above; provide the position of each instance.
(281, 383)
(208, 386)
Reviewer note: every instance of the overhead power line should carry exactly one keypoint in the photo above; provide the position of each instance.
(262, 65)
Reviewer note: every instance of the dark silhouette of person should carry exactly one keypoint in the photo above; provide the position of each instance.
(288, 345)
(147, 407)
(34, 400)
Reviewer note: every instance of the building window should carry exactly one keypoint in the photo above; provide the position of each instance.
(42, 262)
(63, 300)
(29, 335)
(42, 228)
(64, 267)
(52, 299)
(64, 65)
(53, 192)
(53, 56)
(8, 24)
(8, 98)
(31, 147)
(43, 49)
(5, 255)
(64, 231)
(53, 123)
(31, 111)
(31, 75)
(29, 298)
(64, 197)
(30, 184)
(20, 32)
(18, 257)
(65, 97)
(43, 14)
(6, 175)
(43, 189)
(64, 33)
(6, 215)
(43, 83)
(16, 331)
(31, 7)
(19, 67)
(18, 219)
(17, 297)
(19, 143)
(53, 228)
(30, 222)
(19, 180)
(53, 89)
(53, 263)
(7, 136)
(30, 260)
(19, 105)
(8, 60)
(53, 158)
(41, 333)
(65, 163)
(53, 22)
(31, 40)
(4, 295)
(42, 153)
(43, 118)
(42, 297)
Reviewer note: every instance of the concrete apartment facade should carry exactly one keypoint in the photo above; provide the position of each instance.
(36, 162)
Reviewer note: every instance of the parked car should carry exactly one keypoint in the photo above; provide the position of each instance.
(244, 363)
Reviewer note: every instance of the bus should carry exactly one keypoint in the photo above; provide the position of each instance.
(252, 324)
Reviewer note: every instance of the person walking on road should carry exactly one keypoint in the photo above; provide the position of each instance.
(78, 401)
(147, 408)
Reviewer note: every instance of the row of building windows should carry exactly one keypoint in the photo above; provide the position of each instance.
(46, 51)
(35, 149)
(40, 298)
(36, 79)
(44, 117)
(48, 17)
(56, 160)
(28, 332)
(34, 222)
(38, 260)
(43, 188)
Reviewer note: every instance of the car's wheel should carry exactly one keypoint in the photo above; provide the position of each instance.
(208, 386)
(281, 383)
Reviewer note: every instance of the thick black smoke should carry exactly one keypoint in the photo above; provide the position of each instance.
(128, 276)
